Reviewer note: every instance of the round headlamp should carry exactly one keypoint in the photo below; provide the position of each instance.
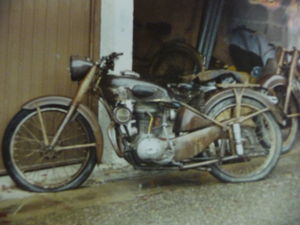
(79, 67)
(122, 115)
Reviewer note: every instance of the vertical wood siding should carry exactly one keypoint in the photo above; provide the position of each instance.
(36, 39)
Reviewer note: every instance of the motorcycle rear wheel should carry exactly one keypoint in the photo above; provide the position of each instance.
(34, 167)
(261, 138)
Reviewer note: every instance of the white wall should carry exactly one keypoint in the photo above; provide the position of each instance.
(116, 36)
(117, 31)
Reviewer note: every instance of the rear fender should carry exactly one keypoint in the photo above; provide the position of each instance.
(271, 81)
(82, 109)
(261, 98)
(210, 75)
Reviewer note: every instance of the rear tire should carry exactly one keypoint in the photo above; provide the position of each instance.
(34, 167)
(261, 138)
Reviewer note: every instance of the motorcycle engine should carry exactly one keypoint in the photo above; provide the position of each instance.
(148, 129)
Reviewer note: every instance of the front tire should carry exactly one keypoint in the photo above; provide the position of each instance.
(34, 167)
(261, 138)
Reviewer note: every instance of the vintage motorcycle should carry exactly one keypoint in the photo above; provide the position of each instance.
(53, 143)
(284, 83)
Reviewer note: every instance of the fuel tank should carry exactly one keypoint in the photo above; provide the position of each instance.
(117, 88)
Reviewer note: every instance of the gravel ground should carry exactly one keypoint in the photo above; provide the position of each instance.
(177, 198)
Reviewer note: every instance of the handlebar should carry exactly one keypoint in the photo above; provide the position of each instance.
(112, 56)
(108, 61)
(116, 54)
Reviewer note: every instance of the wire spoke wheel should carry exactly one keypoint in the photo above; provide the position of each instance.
(175, 61)
(36, 167)
(260, 137)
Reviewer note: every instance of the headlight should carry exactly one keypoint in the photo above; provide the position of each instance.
(122, 115)
(79, 67)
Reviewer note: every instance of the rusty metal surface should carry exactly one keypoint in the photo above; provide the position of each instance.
(110, 85)
(210, 75)
(248, 93)
(280, 57)
(187, 120)
(213, 74)
(269, 82)
(189, 145)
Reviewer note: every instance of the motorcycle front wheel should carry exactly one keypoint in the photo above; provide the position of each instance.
(261, 140)
(36, 167)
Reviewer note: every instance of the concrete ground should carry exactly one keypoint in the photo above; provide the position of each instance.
(177, 198)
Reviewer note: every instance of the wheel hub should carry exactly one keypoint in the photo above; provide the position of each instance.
(48, 152)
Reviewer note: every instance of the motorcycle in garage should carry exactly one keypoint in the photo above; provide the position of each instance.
(53, 143)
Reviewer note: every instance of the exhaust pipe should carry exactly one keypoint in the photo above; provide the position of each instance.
(190, 145)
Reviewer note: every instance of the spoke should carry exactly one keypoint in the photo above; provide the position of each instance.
(29, 154)
(249, 116)
(62, 148)
(31, 134)
(33, 124)
(27, 149)
(72, 137)
(27, 139)
(39, 160)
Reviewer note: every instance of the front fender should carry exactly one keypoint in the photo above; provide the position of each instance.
(261, 98)
(82, 109)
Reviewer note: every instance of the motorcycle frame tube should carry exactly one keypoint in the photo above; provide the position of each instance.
(290, 80)
(111, 131)
(280, 61)
(82, 109)
(188, 120)
(117, 145)
(204, 117)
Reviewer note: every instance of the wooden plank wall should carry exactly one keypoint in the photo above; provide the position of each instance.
(36, 39)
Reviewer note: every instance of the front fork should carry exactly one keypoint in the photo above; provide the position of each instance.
(82, 90)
